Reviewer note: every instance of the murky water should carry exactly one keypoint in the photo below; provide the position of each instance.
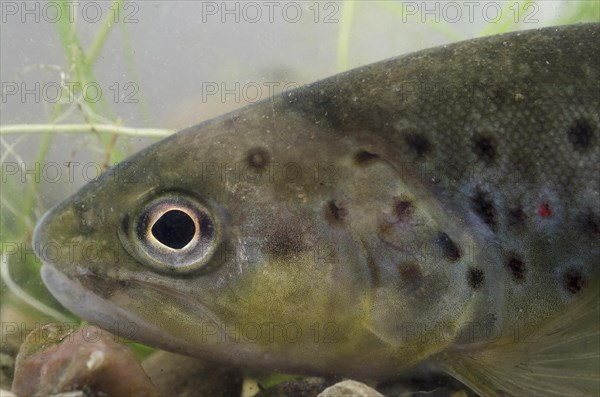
(169, 65)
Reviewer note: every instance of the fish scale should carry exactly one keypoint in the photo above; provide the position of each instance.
(553, 170)
(438, 212)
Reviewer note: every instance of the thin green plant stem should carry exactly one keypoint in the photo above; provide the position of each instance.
(80, 64)
(130, 62)
(583, 11)
(83, 65)
(102, 36)
(31, 191)
(24, 296)
(24, 222)
(67, 33)
(28, 129)
(443, 28)
(509, 21)
(344, 35)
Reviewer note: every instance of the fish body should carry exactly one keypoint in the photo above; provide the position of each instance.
(437, 210)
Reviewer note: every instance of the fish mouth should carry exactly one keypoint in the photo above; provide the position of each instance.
(81, 301)
(105, 314)
(113, 304)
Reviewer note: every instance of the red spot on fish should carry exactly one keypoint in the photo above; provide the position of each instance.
(545, 210)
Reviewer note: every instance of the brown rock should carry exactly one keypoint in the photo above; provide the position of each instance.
(56, 359)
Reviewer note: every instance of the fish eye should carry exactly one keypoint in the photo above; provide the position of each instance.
(171, 233)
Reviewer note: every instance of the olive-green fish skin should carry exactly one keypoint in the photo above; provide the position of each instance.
(411, 212)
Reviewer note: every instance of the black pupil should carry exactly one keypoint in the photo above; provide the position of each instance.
(174, 228)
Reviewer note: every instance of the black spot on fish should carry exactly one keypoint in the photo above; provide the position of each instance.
(573, 280)
(516, 217)
(581, 135)
(449, 249)
(363, 157)
(410, 272)
(419, 144)
(403, 209)
(284, 241)
(484, 208)
(590, 223)
(258, 158)
(484, 148)
(475, 277)
(334, 212)
(516, 266)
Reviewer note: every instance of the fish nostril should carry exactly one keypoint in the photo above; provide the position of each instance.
(174, 228)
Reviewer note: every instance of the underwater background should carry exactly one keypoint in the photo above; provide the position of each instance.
(147, 69)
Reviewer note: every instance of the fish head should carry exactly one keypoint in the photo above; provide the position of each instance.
(230, 242)
(362, 231)
(161, 249)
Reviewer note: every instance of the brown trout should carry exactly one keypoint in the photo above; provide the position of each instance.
(439, 211)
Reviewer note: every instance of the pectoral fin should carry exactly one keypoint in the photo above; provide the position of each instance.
(561, 359)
